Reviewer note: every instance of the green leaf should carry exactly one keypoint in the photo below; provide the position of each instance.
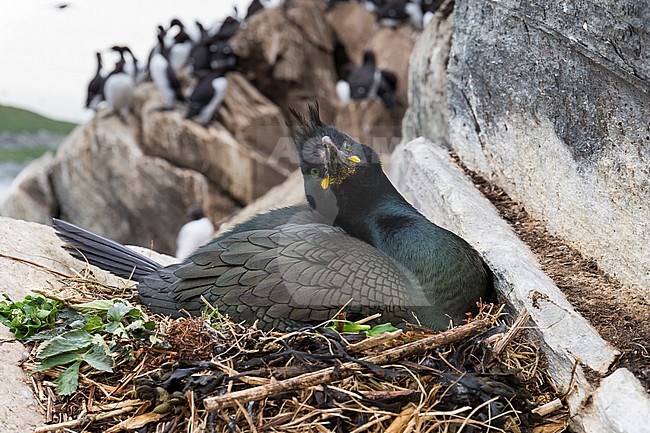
(135, 325)
(96, 305)
(45, 335)
(350, 327)
(61, 359)
(355, 327)
(29, 316)
(68, 381)
(93, 324)
(67, 342)
(99, 358)
(117, 312)
(116, 328)
(381, 329)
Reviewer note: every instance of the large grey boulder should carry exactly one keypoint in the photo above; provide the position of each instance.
(551, 102)
(30, 196)
(104, 182)
(236, 168)
(426, 114)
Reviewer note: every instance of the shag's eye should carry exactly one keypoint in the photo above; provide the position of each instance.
(314, 172)
(347, 146)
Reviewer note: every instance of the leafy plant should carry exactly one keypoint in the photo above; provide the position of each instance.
(92, 333)
(355, 328)
(29, 316)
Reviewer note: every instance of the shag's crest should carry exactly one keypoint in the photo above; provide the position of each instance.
(304, 127)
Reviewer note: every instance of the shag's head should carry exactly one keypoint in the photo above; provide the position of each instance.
(332, 163)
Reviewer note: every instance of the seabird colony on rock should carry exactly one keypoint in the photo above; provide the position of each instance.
(181, 56)
(196, 54)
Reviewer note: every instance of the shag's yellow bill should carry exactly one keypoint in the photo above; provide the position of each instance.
(325, 182)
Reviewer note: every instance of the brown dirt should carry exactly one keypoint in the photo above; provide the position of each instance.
(620, 314)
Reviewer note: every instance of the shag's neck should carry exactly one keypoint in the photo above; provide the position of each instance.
(371, 199)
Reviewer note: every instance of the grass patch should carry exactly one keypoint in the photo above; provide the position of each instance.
(18, 120)
(22, 155)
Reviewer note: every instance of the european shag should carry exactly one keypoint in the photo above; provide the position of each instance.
(358, 245)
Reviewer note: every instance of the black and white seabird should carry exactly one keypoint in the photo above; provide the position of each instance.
(163, 75)
(413, 9)
(118, 89)
(131, 65)
(181, 46)
(201, 34)
(368, 82)
(222, 57)
(135, 67)
(212, 55)
(196, 232)
(253, 8)
(373, 5)
(228, 28)
(258, 5)
(392, 13)
(429, 7)
(206, 98)
(96, 85)
(162, 33)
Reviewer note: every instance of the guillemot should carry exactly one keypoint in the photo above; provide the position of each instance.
(206, 98)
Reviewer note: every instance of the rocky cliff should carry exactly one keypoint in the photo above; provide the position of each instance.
(133, 181)
(549, 101)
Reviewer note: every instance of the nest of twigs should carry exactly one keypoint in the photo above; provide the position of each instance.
(213, 375)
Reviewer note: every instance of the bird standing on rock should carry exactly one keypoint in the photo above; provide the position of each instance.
(206, 98)
(96, 85)
(118, 89)
(163, 75)
(197, 231)
(358, 245)
(369, 82)
(180, 48)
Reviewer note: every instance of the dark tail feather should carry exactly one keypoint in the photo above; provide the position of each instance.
(104, 253)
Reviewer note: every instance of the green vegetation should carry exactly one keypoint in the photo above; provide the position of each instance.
(19, 120)
(29, 316)
(94, 333)
(347, 327)
(22, 155)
